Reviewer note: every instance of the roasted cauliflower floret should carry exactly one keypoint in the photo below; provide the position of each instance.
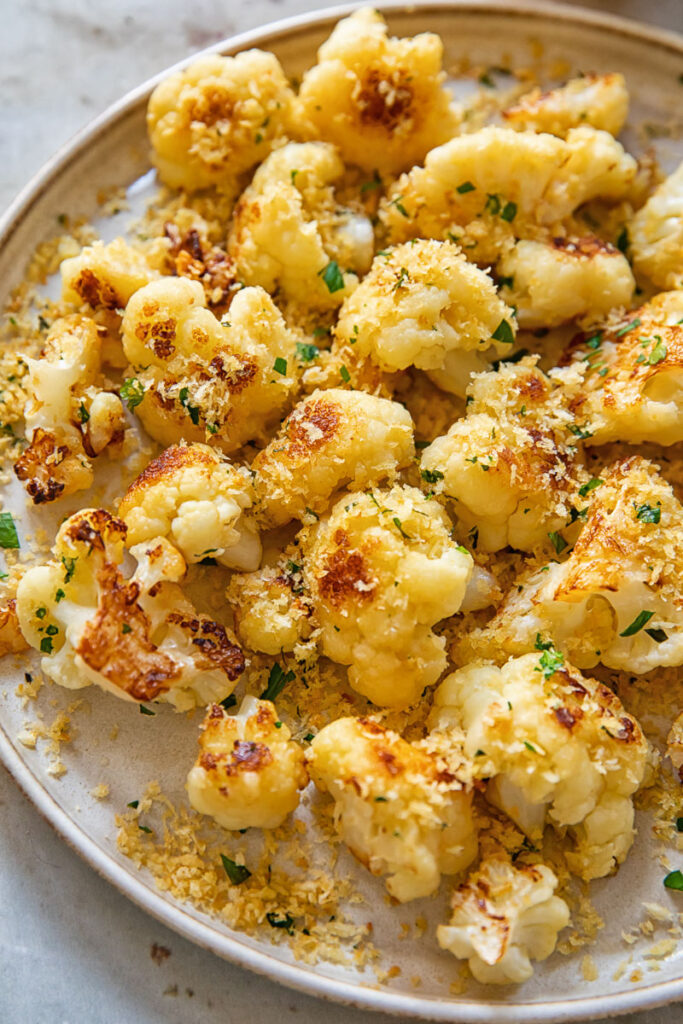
(380, 99)
(105, 276)
(506, 181)
(272, 609)
(424, 305)
(625, 611)
(511, 467)
(555, 746)
(138, 638)
(633, 384)
(656, 234)
(598, 100)
(382, 570)
(290, 233)
(69, 419)
(214, 121)
(674, 745)
(11, 638)
(504, 917)
(400, 810)
(197, 500)
(201, 379)
(249, 770)
(333, 438)
(550, 283)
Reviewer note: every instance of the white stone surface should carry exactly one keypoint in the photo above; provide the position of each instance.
(72, 950)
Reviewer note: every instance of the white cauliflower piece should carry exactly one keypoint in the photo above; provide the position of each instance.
(137, 638)
(424, 305)
(381, 570)
(633, 384)
(197, 500)
(400, 810)
(550, 283)
(555, 746)
(511, 467)
(201, 379)
(504, 917)
(597, 100)
(249, 770)
(271, 608)
(290, 233)
(625, 612)
(105, 276)
(380, 99)
(69, 419)
(333, 438)
(656, 234)
(504, 183)
(214, 121)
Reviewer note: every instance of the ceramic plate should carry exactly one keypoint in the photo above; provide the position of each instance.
(113, 152)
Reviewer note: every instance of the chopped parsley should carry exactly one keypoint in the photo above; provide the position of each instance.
(237, 873)
(46, 645)
(530, 746)
(509, 211)
(41, 612)
(286, 922)
(492, 204)
(192, 410)
(125, 628)
(144, 828)
(403, 276)
(658, 353)
(399, 206)
(332, 276)
(69, 568)
(648, 513)
(557, 541)
(399, 526)
(309, 736)
(466, 186)
(679, 824)
(656, 634)
(145, 711)
(277, 680)
(280, 366)
(344, 374)
(8, 531)
(590, 486)
(132, 392)
(581, 432)
(550, 661)
(674, 880)
(629, 327)
(431, 475)
(503, 333)
(229, 702)
(134, 804)
(307, 352)
(83, 413)
(622, 240)
(640, 620)
(59, 595)
(595, 341)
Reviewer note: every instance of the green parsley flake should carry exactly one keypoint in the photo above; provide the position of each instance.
(306, 353)
(674, 880)
(466, 186)
(431, 475)
(656, 634)
(46, 645)
(69, 568)
(509, 211)
(192, 410)
(237, 873)
(558, 541)
(8, 531)
(229, 702)
(399, 526)
(622, 240)
(132, 392)
(83, 413)
(648, 513)
(503, 333)
(399, 206)
(640, 620)
(145, 711)
(549, 662)
(286, 922)
(629, 327)
(344, 374)
(658, 353)
(332, 276)
(280, 366)
(277, 680)
(590, 486)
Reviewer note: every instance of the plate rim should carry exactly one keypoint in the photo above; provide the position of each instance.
(145, 896)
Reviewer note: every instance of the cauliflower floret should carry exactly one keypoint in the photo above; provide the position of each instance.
(503, 918)
(11, 638)
(598, 100)
(290, 233)
(191, 254)
(333, 438)
(382, 570)
(196, 499)
(555, 746)
(271, 608)
(549, 283)
(201, 379)
(138, 638)
(105, 276)
(633, 385)
(674, 745)
(379, 98)
(625, 612)
(249, 770)
(506, 181)
(399, 809)
(656, 234)
(68, 417)
(511, 466)
(214, 121)
(424, 305)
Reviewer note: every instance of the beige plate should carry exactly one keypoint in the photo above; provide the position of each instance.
(113, 152)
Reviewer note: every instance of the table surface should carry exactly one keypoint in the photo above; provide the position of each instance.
(72, 949)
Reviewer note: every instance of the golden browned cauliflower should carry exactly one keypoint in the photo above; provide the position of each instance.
(633, 379)
(272, 609)
(380, 99)
(511, 467)
(201, 379)
(504, 916)
(138, 637)
(198, 500)
(625, 611)
(105, 276)
(69, 418)
(424, 305)
(504, 183)
(290, 233)
(551, 282)
(11, 638)
(656, 234)
(555, 746)
(381, 570)
(674, 745)
(598, 100)
(333, 438)
(249, 770)
(214, 121)
(400, 810)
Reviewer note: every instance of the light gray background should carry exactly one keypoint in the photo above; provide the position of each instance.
(72, 950)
